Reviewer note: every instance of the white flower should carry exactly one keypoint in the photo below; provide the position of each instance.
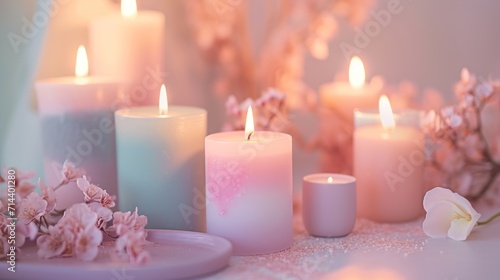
(448, 215)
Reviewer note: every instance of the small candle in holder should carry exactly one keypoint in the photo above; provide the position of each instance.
(249, 189)
(388, 165)
(329, 204)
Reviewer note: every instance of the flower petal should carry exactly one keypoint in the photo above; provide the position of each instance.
(435, 196)
(438, 219)
(460, 229)
(464, 205)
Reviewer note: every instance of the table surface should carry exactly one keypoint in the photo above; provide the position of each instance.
(377, 251)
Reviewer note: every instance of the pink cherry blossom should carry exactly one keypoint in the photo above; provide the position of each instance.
(90, 191)
(78, 216)
(87, 243)
(124, 222)
(33, 207)
(107, 200)
(24, 188)
(58, 242)
(25, 231)
(1, 207)
(104, 214)
(70, 173)
(48, 194)
(130, 246)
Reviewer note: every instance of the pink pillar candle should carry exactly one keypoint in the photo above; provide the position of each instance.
(249, 190)
(388, 165)
(329, 204)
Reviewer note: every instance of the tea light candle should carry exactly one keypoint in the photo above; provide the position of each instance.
(129, 46)
(160, 164)
(343, 97)
(388, 165)
(329, 204)
(249, 189)
(78, 124)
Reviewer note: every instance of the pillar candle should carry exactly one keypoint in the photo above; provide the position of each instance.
(129, 46)
(78, 124)
(388, 165)
(249, 189)
(160, 164)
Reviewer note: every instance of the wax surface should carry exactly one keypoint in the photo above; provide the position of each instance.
(388, 167)
(249, 190)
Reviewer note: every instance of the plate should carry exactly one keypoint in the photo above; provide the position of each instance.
(174, 254)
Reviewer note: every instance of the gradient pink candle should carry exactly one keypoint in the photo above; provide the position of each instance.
(249, 189)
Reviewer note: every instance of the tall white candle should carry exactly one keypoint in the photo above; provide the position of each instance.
(160, 164)
(78, 124)
(388, 165)
(129, 46)
(249, 189)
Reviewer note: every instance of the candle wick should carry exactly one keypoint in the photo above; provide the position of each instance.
(249, 134)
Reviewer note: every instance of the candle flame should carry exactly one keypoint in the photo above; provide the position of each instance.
(330, 180)
(82, 63)
(249, 125)
(465, 75)
(163, 104)
(356, 73)
(386, 115)
(129, 8)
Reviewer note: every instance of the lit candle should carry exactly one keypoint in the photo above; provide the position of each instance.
(329, 204)
(249, 189)
(160, 163)
(388, 165)
(343, 97)
(129, 46)
(78, 124)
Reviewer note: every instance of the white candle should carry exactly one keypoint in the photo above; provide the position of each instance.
(343, 97)
(129, 46)
(78, 124)
(388, 165)
(249, 189)
(160, 164)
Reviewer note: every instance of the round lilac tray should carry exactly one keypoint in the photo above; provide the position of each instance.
(174, 254)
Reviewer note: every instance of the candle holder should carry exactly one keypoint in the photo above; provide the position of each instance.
(329, 204)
